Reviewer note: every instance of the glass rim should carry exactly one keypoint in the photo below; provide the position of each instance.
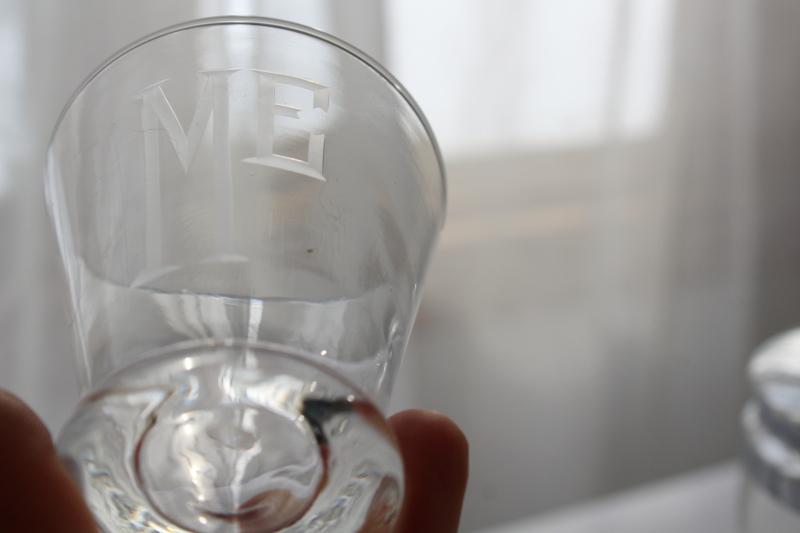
(302, 29)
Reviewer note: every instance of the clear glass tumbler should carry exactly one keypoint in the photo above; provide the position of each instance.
(245, 209)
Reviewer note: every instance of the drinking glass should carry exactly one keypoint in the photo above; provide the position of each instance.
(245, 209)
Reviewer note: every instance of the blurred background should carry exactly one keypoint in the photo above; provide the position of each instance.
(623, 181)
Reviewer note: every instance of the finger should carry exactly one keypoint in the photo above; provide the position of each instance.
(36, 493)
(436, 457)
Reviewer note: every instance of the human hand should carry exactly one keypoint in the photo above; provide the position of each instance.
(38, 496)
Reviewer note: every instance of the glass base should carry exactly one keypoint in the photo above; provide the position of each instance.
(228, 437)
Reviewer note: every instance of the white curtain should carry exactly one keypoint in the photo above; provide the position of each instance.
(597, 288)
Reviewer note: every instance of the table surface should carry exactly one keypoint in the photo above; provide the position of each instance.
(700, 502)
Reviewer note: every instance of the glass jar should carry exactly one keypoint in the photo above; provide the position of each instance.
(771, 427)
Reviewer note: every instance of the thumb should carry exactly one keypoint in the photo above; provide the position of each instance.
(435, 453)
